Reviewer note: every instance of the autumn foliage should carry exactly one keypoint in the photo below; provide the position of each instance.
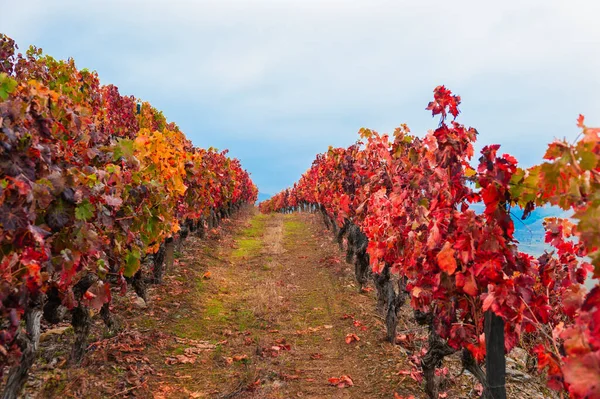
(412, 197)
(91, 182)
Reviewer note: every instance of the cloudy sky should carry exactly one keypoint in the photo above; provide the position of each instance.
(278, 81)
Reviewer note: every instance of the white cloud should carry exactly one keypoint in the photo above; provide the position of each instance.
(315, 71)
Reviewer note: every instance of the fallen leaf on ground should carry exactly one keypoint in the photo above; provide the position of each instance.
(194, 395)
(255, 385)
(352, 338)
(181, 359)
(414, 374)
(360, 325)
(341, 382)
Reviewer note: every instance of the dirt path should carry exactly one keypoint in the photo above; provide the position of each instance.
(278, 306)
(267, 317)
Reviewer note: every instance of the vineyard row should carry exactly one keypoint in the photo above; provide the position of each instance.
(404, 203)
(95, 190)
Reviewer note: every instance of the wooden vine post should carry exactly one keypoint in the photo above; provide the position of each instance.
(495, 361)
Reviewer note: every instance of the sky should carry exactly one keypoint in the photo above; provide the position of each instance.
(277, 82)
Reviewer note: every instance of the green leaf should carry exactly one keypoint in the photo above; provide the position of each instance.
(587, 160)
(7, 85)
(123, 148)
(102, 270)
(84, 211)
(516, 187)
(153, 224)
(132, 263)
(92, 180)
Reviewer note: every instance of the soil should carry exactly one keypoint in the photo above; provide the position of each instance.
(264, 307)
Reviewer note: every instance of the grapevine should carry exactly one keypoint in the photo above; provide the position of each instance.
(92, 184)
(411, 198)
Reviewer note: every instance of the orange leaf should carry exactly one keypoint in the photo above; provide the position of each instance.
(351, 338)
(416, 291)
(89, 295)
(341, 382)
(446, 260)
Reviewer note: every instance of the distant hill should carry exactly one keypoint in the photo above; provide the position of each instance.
(530, 232)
